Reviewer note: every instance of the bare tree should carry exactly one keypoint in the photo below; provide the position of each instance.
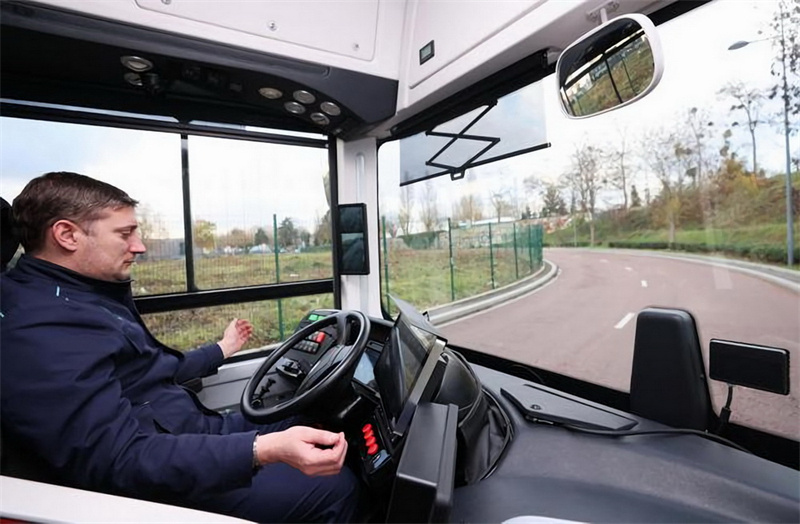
(429, 214)
(406, 209)
(636, 200)
(584, 180)
(748, 100)
(392, 226)
(619, 174)
(785, 27)
(468, 209)
(500, 203)
(554, 204)
(322, 229)
(665, 156)
(151, 225)
(236, 237)
(534, 188)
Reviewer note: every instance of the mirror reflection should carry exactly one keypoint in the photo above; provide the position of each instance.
(353, 258)
(609, 68)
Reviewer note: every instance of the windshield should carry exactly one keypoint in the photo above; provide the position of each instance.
(678, 200)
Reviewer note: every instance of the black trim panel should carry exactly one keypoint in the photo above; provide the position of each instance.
(14, 110)
(221, 297)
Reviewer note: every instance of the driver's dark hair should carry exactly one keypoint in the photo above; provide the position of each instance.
(62, 196)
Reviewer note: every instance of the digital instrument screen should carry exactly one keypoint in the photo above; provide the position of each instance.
(365, 370)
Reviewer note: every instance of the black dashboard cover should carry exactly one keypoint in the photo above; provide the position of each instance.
(537, 404)
(483, 428)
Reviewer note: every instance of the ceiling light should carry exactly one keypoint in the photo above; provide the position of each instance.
(295, 108)
(319, 118)
(136, 64)
(270, 92)
(330, 108)
(304, 96)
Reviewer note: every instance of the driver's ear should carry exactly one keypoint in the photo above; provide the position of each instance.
(65, 234)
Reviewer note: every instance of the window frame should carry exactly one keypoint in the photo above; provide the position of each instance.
(193, 297)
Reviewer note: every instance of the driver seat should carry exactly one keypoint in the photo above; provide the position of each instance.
(15, 459)
(8, 240)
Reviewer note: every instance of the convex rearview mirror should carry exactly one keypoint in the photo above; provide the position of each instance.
(612, 66)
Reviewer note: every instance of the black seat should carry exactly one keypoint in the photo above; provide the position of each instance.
(668, 379)
(8, 240)
(15, 459)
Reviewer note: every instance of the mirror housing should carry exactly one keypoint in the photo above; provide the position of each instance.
(610, 67)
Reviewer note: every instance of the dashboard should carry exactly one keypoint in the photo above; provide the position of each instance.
(547, 469)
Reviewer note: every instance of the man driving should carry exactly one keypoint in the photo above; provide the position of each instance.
(90, 393)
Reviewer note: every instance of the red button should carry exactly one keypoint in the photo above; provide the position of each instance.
(367, 428)
(371, 450)
(370, 441)
(319, 338)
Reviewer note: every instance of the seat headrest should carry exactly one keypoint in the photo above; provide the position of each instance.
(8, 239)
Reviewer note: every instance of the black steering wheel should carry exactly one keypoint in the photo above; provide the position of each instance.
(324, 377)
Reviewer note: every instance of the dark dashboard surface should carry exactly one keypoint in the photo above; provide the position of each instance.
(550, 471)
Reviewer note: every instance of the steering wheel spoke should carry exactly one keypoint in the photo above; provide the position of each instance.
(325, 376)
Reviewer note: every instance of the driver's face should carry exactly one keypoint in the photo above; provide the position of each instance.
(109, 245)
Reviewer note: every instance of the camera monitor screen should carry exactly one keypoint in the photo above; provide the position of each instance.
(406, 364)
(352, 229)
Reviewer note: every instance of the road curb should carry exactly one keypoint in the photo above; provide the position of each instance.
(461, 308)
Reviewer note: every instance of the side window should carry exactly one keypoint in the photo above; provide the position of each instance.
(260, 215)
(128, 159)
(250, 200)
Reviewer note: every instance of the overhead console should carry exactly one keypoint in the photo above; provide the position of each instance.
(59, 56)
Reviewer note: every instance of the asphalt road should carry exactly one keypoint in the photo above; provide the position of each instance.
(582, 323)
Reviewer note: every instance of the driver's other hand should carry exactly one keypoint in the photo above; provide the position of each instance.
(235, 336)
(313, 451)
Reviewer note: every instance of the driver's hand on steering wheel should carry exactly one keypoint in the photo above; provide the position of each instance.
(315, 452)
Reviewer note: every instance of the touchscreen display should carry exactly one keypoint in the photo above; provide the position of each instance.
(406, 364)
(415, 344)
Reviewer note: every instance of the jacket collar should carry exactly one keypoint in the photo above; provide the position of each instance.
(36, 267)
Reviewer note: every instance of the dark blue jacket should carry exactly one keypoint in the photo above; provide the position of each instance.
(85, 386)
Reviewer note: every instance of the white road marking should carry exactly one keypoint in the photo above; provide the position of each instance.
(628, 268)
(604, 261)
(627, 318)
(644, 283)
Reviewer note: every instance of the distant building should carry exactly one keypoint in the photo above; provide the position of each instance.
(164, 248)
(260, 248)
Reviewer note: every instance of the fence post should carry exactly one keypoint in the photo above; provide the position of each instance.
(539, 245)
(385, 263)
(491, 254)
(516, 262)
(452, 264)
(530, 247)
(277, 270)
